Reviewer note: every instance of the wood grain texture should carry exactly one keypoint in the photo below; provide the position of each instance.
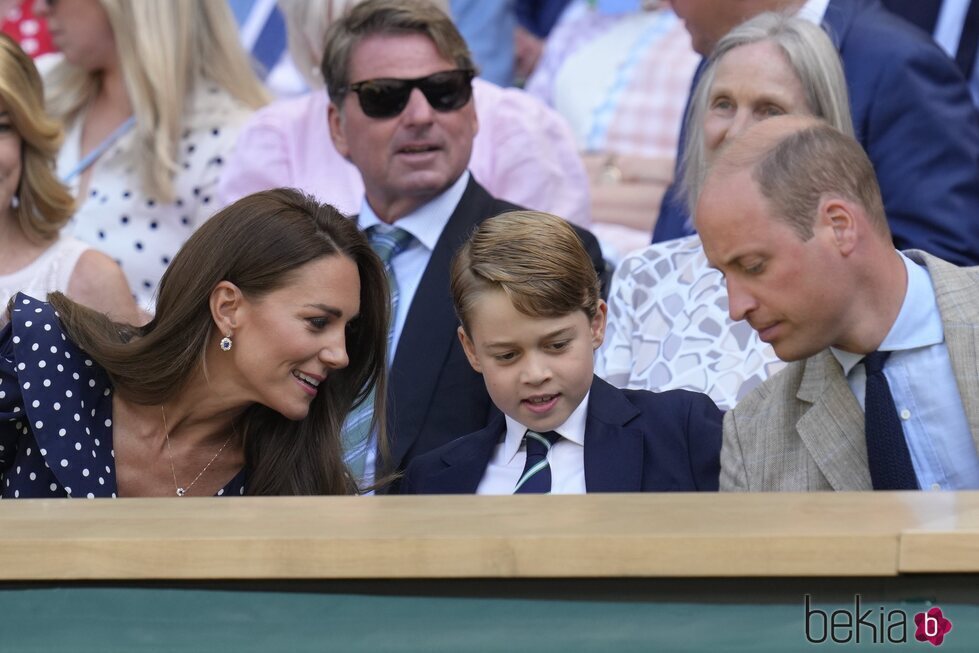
(613, 536)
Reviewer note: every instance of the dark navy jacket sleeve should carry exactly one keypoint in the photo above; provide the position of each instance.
(704, 427)
(11, 410)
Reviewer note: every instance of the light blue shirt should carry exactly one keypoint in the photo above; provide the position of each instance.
(923, 386)
(426, 224)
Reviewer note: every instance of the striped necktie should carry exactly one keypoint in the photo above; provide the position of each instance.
(536, 477)
(357, 440)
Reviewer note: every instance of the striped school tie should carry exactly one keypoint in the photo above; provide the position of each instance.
(536, 477)
(357, 440)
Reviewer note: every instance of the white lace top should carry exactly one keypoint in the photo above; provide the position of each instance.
(49, 272)
(669, 327)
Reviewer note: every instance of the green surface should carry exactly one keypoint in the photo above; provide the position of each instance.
(137, 620)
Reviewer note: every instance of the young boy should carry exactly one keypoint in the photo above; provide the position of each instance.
(527, 296)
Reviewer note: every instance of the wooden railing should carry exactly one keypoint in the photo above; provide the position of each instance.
(440, 537)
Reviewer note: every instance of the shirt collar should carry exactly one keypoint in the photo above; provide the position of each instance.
(813, 10)
(427, 221)
(918, 324)
(572, 429)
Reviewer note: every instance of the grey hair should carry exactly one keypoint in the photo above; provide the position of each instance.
(814, 59)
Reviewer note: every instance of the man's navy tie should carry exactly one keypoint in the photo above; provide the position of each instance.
(887, 450)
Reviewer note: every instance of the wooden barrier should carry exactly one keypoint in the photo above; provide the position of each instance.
(441, 537)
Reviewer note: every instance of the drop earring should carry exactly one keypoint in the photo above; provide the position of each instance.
(225, 343)
(14, 202)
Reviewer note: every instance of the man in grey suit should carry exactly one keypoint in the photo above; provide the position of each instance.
(883, 387)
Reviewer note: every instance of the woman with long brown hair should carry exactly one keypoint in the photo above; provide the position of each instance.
(271, 324)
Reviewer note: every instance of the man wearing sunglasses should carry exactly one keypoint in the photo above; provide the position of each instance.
(399, 76)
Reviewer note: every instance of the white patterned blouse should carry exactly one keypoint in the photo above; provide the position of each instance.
(669, 328)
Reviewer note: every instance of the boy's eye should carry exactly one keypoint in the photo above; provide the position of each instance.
(560, 345)
(504, 357)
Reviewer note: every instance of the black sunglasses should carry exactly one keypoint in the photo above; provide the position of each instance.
(386, 98)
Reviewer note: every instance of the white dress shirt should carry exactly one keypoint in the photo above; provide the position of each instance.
(566, 457)
(922, 382)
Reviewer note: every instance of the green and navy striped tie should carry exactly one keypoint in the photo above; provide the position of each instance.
(536, 477)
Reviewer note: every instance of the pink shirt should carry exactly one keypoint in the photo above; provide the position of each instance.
(524, 153)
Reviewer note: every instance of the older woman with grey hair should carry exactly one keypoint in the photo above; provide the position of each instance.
(668, 311)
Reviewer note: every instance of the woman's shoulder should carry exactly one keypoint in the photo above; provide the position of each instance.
(39, 341)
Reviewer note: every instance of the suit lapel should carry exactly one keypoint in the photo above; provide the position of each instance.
(466, 462)
(430, 327)
(832, 429)
(613, 451)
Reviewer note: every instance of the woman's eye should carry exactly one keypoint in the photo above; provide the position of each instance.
(721, 104)
(318, 322)
(771, 110)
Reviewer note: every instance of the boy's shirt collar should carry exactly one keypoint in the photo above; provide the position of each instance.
(572, 429)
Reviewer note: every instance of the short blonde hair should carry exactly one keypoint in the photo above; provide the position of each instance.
(45, 204)
(536, 258)
(165, 49)
(798, 162)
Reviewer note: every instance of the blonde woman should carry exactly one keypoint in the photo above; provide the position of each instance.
(35, 257)
(153, 95)
(523, 152)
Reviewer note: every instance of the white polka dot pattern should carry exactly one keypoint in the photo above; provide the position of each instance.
(52, 435)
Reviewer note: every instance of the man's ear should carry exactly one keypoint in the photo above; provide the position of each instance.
(838, 215)
(598, 324)
(470, 349)
(335, 119)
(226, 303)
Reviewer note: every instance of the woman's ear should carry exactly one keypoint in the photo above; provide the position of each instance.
(226, 304)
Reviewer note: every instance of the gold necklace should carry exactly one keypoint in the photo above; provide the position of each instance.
(182, 491)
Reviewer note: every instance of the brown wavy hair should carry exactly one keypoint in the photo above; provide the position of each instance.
(257, 243)
(45, 203)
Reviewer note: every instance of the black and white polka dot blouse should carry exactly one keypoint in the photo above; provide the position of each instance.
(55, 413)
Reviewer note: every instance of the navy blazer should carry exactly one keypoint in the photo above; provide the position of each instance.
(433, 392)
(635, 441)
(913, 114)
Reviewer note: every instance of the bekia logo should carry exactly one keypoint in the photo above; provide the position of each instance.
(932, 626)
(875, 625)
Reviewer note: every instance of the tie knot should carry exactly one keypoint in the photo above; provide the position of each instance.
(540, 442)
(388, 243)
(874, 361)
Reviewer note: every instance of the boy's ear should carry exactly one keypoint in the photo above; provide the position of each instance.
(470, 349)
(598, 324)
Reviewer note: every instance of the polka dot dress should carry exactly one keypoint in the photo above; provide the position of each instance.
(142, 233)
(55, 413)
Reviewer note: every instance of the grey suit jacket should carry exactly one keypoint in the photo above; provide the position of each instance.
(802, 429)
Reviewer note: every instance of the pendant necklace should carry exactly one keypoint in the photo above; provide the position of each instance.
(182, 491)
